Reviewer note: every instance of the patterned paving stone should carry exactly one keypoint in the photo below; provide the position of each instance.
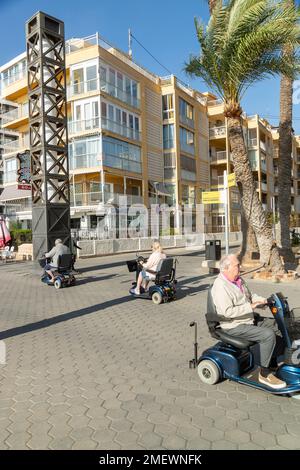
(113, 375)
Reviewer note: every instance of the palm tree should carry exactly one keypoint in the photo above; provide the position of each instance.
(284, 161)
(240, 46)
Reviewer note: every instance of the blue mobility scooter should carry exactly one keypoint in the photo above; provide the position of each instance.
(233, 358)
(63, 275)
(164, 288)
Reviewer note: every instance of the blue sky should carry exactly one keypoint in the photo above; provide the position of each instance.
(164, 27)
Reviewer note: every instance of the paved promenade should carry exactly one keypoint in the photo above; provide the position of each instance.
(89, 367)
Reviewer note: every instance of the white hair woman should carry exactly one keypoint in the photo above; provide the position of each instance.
(149, 268)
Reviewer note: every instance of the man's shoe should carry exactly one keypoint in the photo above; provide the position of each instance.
(271, 381)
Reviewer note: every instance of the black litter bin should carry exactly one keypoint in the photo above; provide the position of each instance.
(213, 250)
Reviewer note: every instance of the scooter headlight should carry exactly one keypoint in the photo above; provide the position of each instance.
(274, 310)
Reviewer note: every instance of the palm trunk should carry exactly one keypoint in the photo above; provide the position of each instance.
(285, 165)
(251, 205)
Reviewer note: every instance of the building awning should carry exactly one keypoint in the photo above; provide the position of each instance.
(160, 189)
(11, 193)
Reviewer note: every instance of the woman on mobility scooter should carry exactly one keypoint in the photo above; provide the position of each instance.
(149, 270)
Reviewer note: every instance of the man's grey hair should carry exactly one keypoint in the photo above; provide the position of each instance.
(57, 241)
(225, 262)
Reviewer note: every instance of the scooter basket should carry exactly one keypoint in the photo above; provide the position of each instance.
(42, 262)
(132, 265)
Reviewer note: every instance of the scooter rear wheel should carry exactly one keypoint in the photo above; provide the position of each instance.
(208, 372)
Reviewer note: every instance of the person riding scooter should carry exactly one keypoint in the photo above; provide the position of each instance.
(149, 270)
(58, 250)
(236, 304)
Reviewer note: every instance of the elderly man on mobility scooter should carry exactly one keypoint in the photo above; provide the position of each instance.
(58, 250)
(236, 304)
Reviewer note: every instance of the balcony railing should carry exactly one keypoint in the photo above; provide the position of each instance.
(14, 114)
(85, 125)
(188, 175)
(217, 131)
(78, 88)
(252, 142)
(14, 78)
(87, 160)
(263, 165)
(10, 176)
(118, 128)
(16, 145)
(95, 198)
(120, 94)
(219, 156)
(264, 187)
(263, 145)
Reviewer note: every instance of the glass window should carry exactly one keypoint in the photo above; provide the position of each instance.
(118, 154)
(168, 108)
(91, 77)
(168, 136)
(78, 81)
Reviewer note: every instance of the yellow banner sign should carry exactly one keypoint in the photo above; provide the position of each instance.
(231, 180)
(212, 197)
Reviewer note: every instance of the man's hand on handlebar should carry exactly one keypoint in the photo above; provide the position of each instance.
(260, 303)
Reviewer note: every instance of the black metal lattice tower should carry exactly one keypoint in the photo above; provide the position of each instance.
(48, 132)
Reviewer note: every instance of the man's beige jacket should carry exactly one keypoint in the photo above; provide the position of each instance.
(232, 303)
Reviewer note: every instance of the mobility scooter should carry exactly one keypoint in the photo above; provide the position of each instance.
(233, 358)
(63, 275)
(164, 288)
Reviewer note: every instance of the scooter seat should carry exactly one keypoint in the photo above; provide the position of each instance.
(239, 343)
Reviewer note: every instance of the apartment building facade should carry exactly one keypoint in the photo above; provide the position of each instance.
(132, 133)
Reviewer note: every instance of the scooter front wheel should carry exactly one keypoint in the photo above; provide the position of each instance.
(208, 372)
(57, 283)
(157, 298)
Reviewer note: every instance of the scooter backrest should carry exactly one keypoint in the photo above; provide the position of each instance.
(211, 315)
(65, 262)
(164, 267)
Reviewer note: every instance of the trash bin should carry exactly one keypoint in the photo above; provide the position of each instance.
(213, 249)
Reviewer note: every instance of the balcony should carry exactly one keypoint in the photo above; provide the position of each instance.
(95, 198)
(263, 165)
(263, 146)
(79, 88)
(14, 78)
(254, 163)
(75, 127)
(118, 128)
(94, 85)
(87, 160)
(252, 142)
(217, 132)
(10, 176)
(16, 145)
(219, 157)
(264, 187)
(21, 112)
(188, 175)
